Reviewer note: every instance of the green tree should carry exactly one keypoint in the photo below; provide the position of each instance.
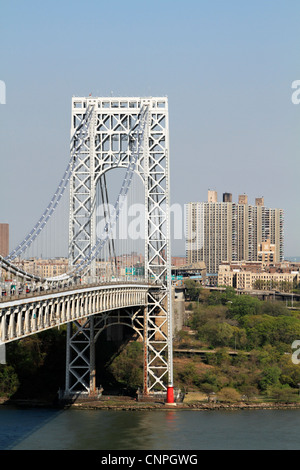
(290, 373)
(249, 391)
(266, 356)
(188, 375)
(265, 329)
(217, 334)
(127, 368)
(229, 295)
(260, 284)
(9, 381)
(215, 378)
(282, 393)
(270, 377)
(215, 298)
(243, 305)
(38, 361)
(192, 289)
(274, 309)
(208, 388)
(204, 295)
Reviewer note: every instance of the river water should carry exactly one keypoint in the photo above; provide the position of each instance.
(70, 429)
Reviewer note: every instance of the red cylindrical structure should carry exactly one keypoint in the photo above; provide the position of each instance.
(170, 394)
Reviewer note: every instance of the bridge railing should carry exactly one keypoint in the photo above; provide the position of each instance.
(46, 290)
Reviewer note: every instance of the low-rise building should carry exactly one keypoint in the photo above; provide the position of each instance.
(249, 275)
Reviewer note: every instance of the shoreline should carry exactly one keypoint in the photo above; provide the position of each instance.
(112, 403)
(140, 406)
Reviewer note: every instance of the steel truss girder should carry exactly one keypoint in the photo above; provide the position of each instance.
(105, 146)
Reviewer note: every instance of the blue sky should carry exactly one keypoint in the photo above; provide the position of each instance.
(226, 67)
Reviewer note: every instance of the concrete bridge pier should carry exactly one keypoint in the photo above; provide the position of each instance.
(2, 354)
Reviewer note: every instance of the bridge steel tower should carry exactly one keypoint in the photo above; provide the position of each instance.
(102, 132)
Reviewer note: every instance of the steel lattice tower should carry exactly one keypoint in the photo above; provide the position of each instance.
(102, 132)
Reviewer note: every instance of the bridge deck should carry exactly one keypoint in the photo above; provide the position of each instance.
(20, 317)
(10, 300)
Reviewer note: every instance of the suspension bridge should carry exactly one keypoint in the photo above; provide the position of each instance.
(113, 272)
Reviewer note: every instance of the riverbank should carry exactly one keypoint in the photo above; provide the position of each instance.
(136, 406)
(119, 404)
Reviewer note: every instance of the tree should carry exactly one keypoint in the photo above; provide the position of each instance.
(249, 391)
(192, 289)
(274, 308)
(217, 334)
(228, 295)
(243, 305)
(265, 329)
(208, 389)
(37, 361)
(229, 395)
(188, 375)
(213, 378)
(260, 284)
(215, 298)
(204, 295)
(290, 373)
(265, 356)
(128, 366)
(270, 377)
(282, 393)
(8, 381)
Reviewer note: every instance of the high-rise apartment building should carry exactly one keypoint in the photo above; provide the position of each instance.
(227, 231)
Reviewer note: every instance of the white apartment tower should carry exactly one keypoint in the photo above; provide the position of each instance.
(227, 231)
